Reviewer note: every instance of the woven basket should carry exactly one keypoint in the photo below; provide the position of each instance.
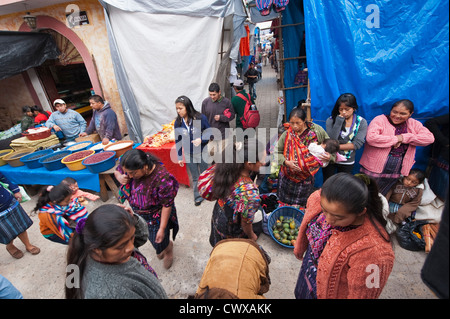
(94, 138)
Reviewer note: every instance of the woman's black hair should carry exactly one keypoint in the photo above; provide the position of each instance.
(234, 157)
(56, 195)
(298, 112)
(356, 193)
(346, 98)
(192, 113)
(104, 228)
(137, 159)
(406, 103)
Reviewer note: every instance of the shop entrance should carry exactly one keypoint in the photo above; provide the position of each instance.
(66, 77)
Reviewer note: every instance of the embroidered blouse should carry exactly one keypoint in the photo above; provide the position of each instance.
(244, 198)
(153, 192)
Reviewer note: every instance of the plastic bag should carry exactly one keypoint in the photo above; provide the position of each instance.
(410, 235)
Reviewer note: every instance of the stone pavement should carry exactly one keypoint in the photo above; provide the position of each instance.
(43, 275)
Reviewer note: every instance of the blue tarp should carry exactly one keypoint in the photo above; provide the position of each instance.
(381, 51)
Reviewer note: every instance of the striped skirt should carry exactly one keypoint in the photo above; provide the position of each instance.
(294, 193)
(13, 221)
(389, 176)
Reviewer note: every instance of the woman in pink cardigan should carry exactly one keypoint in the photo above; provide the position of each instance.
(391, 142)
(342, 240)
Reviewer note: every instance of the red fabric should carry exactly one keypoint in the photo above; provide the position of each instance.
(42, 117)
(244, 46)
(163, 153)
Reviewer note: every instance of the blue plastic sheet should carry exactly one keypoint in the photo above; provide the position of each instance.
(381, 51)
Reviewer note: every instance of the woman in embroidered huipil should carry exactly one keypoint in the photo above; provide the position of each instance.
(229, 183)
(150, 190)
(298, 165)
(349, 129)
(342, 240)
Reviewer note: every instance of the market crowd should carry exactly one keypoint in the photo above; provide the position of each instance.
(346, 227)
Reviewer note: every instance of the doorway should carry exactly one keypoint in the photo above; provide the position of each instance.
(67, 77)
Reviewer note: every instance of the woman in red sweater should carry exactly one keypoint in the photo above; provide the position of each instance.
(342, 240)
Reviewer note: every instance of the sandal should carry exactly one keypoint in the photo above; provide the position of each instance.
(34, 251)
(17, 253)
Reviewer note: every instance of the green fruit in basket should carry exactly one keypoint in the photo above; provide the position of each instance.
(277, 236)
(292, 232)
(283, 235)
(290, 237)
(286, 225)
(285, 241)
(278, 225)
(281, 218)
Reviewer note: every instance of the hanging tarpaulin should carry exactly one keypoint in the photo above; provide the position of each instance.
(381, 51)
(175, 46)
(20, 51)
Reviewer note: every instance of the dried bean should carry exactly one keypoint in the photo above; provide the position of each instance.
(98, 157)
(54, 157)
(77, 156)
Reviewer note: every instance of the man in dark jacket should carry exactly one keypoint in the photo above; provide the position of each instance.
(252, 78)
(104, 120)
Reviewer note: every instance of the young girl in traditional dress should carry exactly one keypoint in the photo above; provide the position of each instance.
(237, 196)
(342, 241)
(58, 213)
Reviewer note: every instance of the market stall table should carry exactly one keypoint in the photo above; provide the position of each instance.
(165, 154)
(41, 176)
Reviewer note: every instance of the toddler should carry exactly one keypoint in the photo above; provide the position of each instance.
(58, 213)
(405, 196)
(328, 145)
(78, 193)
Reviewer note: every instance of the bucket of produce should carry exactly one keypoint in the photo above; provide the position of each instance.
(283, 225)
(98, 147)
(52, 162)
(13, 158)
(3, 153)
(32, 160)
(37, 133)
(81, 146)
(120, 147)
(74, 160)
(100, 162)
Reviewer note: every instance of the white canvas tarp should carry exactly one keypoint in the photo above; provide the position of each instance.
(163, 60)
(162, 51)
